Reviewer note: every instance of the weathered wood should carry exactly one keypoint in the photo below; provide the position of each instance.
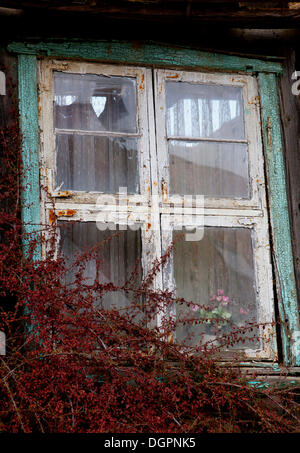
(282, 247)
(145, 54)
(158, 10)
(28, 108)
(290, 128)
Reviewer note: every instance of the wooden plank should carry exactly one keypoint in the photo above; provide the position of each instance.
(282, 247)
(290, 122)
(249, 14)
(28, 109)
(146, 54)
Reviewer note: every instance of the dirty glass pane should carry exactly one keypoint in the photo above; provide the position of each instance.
(209, 168)
(208, 111)
(217, 271)
(94, 102)
(117, 257)
(102, 164)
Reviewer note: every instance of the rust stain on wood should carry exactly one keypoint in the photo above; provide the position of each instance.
(170, 338)
(66, 213)
(63, 194)
(164, 191)
(142, 84)
(175, 76)
(52, 216)
(269, 132)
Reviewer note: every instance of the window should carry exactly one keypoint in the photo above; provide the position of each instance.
(235, 217)
(210, 144)
(96, 163)
(154, 154)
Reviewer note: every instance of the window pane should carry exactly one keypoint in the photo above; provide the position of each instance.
(211, 169)
(102, 164)
(118, 256)
(208, 111)
(217, 271)
(95, 102)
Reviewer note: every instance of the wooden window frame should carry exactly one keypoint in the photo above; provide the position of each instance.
(223, 212)
(267, 73)
(87, 206)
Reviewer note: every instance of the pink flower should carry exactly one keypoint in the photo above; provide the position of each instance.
(243, 311)
(195, 307)
(220, 292)
(225, 301)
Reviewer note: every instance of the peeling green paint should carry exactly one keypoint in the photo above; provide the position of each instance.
(282, 247)
(147, 53)
(28, 109)
(259, 384)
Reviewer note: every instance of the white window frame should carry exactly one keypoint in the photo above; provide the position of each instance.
(155, 205)
(223, 212)
(88, 206)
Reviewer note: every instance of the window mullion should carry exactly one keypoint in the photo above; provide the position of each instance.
(153, 233)
(161, 138)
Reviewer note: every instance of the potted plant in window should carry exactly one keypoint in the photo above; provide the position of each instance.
(218, 317)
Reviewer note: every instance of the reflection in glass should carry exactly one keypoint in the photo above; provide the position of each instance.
(117, 257)
(209, 168)
(94, 102)
(204, 111)
(102, 164)
(217, 271)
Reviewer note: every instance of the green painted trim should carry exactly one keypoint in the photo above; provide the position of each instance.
(145, 54)
(28, 110)
(282, 246)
